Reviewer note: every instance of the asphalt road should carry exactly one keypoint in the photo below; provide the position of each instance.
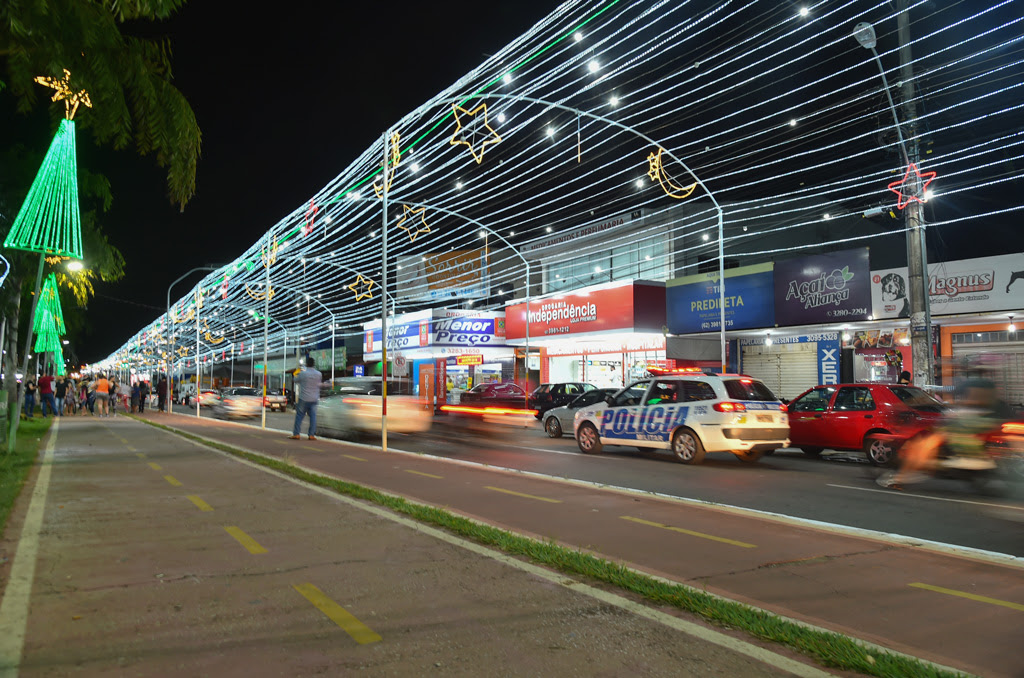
(838, 488)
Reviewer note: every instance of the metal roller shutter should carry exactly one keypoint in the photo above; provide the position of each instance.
(787, 369)
(1009, 375)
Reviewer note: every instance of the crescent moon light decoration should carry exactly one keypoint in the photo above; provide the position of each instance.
(389, 172)
(657, 173)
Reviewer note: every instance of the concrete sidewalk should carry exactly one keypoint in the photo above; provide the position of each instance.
(134, 552)
(950, 608)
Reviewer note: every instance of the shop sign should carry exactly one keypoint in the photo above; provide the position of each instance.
(469, 331)
(456, 274)
(323, 358)
(357, 371)
(954, 287)
(594, 309)
(403, 333)
(693, 302)
(824, 288)
(828, 351)
(581, 232)
(471, 359)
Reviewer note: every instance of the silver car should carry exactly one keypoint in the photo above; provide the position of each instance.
(237, 402)
(559, 419)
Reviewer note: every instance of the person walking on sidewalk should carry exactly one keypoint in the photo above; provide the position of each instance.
(61, 391)
(143, 396)
(46, 394)
(101, 393)
(307, 386)
(161, 394)
(30, 397)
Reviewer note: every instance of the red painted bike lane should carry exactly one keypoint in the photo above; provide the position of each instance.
(952, 609)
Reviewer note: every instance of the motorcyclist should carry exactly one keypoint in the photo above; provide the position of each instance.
(958, 442)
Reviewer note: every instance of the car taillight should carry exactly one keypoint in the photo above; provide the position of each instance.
(730, 407)
(783, 407)
(1013, 428)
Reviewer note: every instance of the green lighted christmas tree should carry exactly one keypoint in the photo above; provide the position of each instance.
(48, 221)
(49, 323)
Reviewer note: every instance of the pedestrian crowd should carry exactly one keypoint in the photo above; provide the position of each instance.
(94, 395)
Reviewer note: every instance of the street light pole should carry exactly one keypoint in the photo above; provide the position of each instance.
(920, 308)
(384, 300)
(167, 319)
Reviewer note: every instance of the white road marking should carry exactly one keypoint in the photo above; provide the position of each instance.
(14, 607)
(894, 493)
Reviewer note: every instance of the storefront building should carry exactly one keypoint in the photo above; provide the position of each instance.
(605, 335)
(453, 347)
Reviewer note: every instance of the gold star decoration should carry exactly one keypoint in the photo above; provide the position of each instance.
(389, 172)
(182, 352)
(64, 93)
(406, 213)
(471, 129)
(362, 287)
(657, 173)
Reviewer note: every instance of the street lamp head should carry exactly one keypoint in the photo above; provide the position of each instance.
(865, 34)
(75, 265)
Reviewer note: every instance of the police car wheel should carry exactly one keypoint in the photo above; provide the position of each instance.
(588, 439)
(686, 447)
(553, 427)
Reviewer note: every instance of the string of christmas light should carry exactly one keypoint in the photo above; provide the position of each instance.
(782, 116)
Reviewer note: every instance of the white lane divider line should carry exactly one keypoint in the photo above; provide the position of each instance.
(896, 493)
(14, 607)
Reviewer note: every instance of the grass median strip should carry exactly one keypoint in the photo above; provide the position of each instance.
(830, 649)
(681, 530)
(969, 596)
(360, 632)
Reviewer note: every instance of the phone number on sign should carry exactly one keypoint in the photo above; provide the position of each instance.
(844, 312)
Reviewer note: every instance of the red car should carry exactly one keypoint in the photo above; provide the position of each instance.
(850, 416)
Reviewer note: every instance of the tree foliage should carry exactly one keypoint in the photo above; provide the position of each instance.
(128, 77)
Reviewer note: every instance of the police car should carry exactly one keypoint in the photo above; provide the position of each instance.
(689, 414)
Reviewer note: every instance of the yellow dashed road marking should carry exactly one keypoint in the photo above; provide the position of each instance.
(173, 481)
(310, 447)
(140, 455)
(130, 448)
(520, 494)
(970, 596)
(155, 466)
(203, 506)
(353, 457)
(421, 473)
(742, 544)
(359, 631)
(250, 544)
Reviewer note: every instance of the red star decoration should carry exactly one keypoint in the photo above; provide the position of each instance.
(310, 216)
(906, 198)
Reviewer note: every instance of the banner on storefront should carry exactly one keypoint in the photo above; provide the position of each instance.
(693, 302)
(458, 274)
(470, 359)
(954, 287)
(823, 288)
(616, 307)
(323, 358)
(828, 346)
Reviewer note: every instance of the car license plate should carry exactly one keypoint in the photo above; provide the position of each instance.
(764, 418)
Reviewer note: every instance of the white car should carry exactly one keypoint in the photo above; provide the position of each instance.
(344, 415)
(688, 415)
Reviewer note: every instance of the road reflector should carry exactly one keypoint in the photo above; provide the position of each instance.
(521, 494)
(359, 631)
(250, 544)
(969, 596)
(681, 530)
(202, 505)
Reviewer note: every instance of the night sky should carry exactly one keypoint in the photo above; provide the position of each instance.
(285, 100)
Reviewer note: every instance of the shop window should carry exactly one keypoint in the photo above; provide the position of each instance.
(854, 398)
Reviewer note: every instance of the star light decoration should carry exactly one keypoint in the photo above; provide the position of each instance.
(470, 130)
(310, 217)
(408, 212)
(71, 98)
(905, 199)
(389, 172)
(362, 287)
(657, 173)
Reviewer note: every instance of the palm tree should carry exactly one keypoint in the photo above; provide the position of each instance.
(128, 77)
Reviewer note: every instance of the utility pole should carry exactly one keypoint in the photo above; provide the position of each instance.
(917, 264)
